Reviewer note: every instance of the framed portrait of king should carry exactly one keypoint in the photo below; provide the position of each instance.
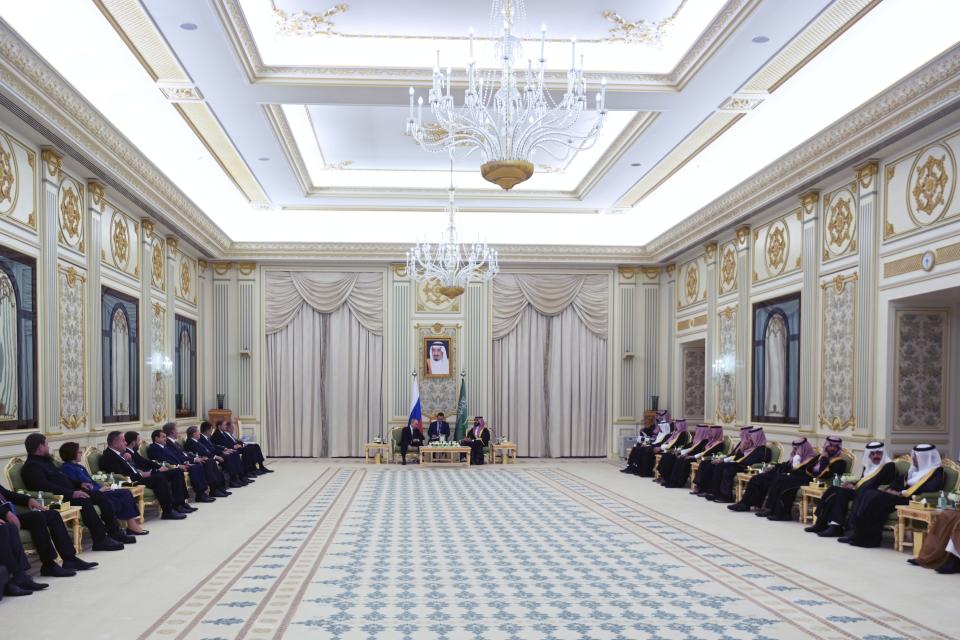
(437, 357)
(776, 360)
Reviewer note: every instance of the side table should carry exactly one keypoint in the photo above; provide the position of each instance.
(376, 451)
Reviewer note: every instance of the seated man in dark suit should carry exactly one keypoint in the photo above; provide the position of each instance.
(215, 478)
(159, 451)
(49, 534)
(225, 436)
(41, 474)
(198, 449)
(173, 476)
(439, 429)
(112, 461)
(411, 436)
(231, 460)
(14, 565)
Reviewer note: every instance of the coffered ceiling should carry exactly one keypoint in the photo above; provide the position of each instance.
(283, 120)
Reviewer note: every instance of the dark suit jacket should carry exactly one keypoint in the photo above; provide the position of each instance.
(40, 474)
(198, 447)
(164, 454)
(211, 446)
(14, 497)
(437, 429)
(409, 434)
(112, 462)
(141, 463)
(224, 439)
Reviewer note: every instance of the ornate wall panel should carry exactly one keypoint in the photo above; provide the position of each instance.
(185, 284)
(691, 283)
(72, 286)
(919, 188)
(120, 241)
(438, 394)
(475, 347)
(694, 361)
(18, 182)
(922, 343)
(158, 265)
(727, 365)
(627, 394)
(840, 224)
(430, 300)
(221, 339)
(777, 247)
(246, 291)
(158, 402)
(727, 268)
(838, 353)
(70, 214)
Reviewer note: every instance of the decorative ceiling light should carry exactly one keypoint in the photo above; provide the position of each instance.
(450, 263)
(508, 115)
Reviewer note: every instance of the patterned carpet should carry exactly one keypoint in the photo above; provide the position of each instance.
(502, 554)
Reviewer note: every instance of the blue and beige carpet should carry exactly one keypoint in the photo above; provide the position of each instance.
(502, 554)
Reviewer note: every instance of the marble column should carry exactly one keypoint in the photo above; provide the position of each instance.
(868, 238)
(651, 358)
(809, 312)
(48, 379)
(95, 306)
(710, 346)
(170, 324)
(147, 375)
(744, 321)
(669, 393)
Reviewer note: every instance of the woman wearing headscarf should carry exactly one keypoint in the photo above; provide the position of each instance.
(801, 456)
(477, 438)
(644, 442)
(676, 440)
(724, 477)
(831, 512)
(708, 466)
(668, 459)
(783, 492)
(872, 507)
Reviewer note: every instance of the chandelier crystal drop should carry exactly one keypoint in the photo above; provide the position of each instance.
(451, 264)
(508, 114)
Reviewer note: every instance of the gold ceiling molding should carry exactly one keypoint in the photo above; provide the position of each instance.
(740, 104)
(911, 263)
(651, 273)
(627, 273)
(640, 31)
(241, 38)
(52, 99)
(306, 23)
(866, 172)
(819, 34)
(690, 323)
(221, 268)
(246, 268)
(923, 92)
(699, 139)
(135, 27)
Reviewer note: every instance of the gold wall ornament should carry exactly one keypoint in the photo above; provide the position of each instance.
(246, 268)
(120, 240)
(73, 421)
(841, 222)
(930, 184)
(305, 23)
(727, 312)
(711, 250)
(147, 225)
(97, 196)
(777, 248)
(641, 31)
(692, 282)
(671, 268)
(651, 273)
(889, 172)
(8, 179)
(627, 273)
(156, 260)
(866, 172)
(728, 267)
(71, 274)
(70, 213)
(399, 269)
(221, 268)
(808, 201)
(53, 162)
(184, 278)
(202, 265)
(172, 246)
(742, 233)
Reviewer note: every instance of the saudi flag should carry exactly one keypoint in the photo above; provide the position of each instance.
(460, 432)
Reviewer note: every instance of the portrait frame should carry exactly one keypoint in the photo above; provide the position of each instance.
(784, 311)
(425, 349)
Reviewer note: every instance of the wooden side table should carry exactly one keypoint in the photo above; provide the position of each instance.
(71, 518)
(376, 451)
(809, 497)
(912, 516)
(507, 450)
(742, 479)
(448, 455)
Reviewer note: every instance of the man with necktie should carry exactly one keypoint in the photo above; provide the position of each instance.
(232, 459)
(439, 429)
(161, 451)
(252, 455)
(113, 460)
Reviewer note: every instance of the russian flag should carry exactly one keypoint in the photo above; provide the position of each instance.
(416, 416)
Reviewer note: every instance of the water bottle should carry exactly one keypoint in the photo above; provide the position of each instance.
(836, 480)
(942, 501)
(111, 481)
(40, 498)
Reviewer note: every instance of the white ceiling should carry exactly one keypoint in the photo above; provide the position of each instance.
(369, 183)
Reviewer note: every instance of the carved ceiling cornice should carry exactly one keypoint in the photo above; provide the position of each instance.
(34, 83)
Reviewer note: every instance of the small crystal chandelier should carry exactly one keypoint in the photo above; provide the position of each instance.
(508, 120)
(448, 262)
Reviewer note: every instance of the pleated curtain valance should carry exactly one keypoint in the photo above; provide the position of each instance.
(550, 295)
(288, 291)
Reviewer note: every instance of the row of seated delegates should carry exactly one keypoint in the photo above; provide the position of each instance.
(675, 465)
(775, 489)
(650, 442)
(941, 546)
(719, 475)
(477, 437)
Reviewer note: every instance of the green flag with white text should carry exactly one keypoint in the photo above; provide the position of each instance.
(460, 432)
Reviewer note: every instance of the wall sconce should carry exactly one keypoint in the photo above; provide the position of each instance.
(161, 365)
(724, 365)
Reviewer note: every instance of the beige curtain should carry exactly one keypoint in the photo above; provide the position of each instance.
(550, 363)
(324, 362)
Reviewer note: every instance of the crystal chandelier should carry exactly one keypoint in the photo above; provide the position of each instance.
(448, 262)
(508, 115)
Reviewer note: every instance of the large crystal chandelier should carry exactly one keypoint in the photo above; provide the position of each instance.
(448, 262)
(506, 114)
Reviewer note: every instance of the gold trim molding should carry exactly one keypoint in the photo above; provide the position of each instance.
(53, 161)
(651, 273)
(97, 194)
(246, 268)
(865, 174)
(911, 263)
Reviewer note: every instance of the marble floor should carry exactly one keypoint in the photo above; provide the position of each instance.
(538, 550)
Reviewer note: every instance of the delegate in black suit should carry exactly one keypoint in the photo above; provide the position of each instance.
(409, 437)
(231, 462)
(250, 451)
(438, 428)
(41, 474)
(196, 447)
(112, 461)
(158, 452)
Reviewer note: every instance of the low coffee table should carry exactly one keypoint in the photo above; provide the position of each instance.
(449, 455)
